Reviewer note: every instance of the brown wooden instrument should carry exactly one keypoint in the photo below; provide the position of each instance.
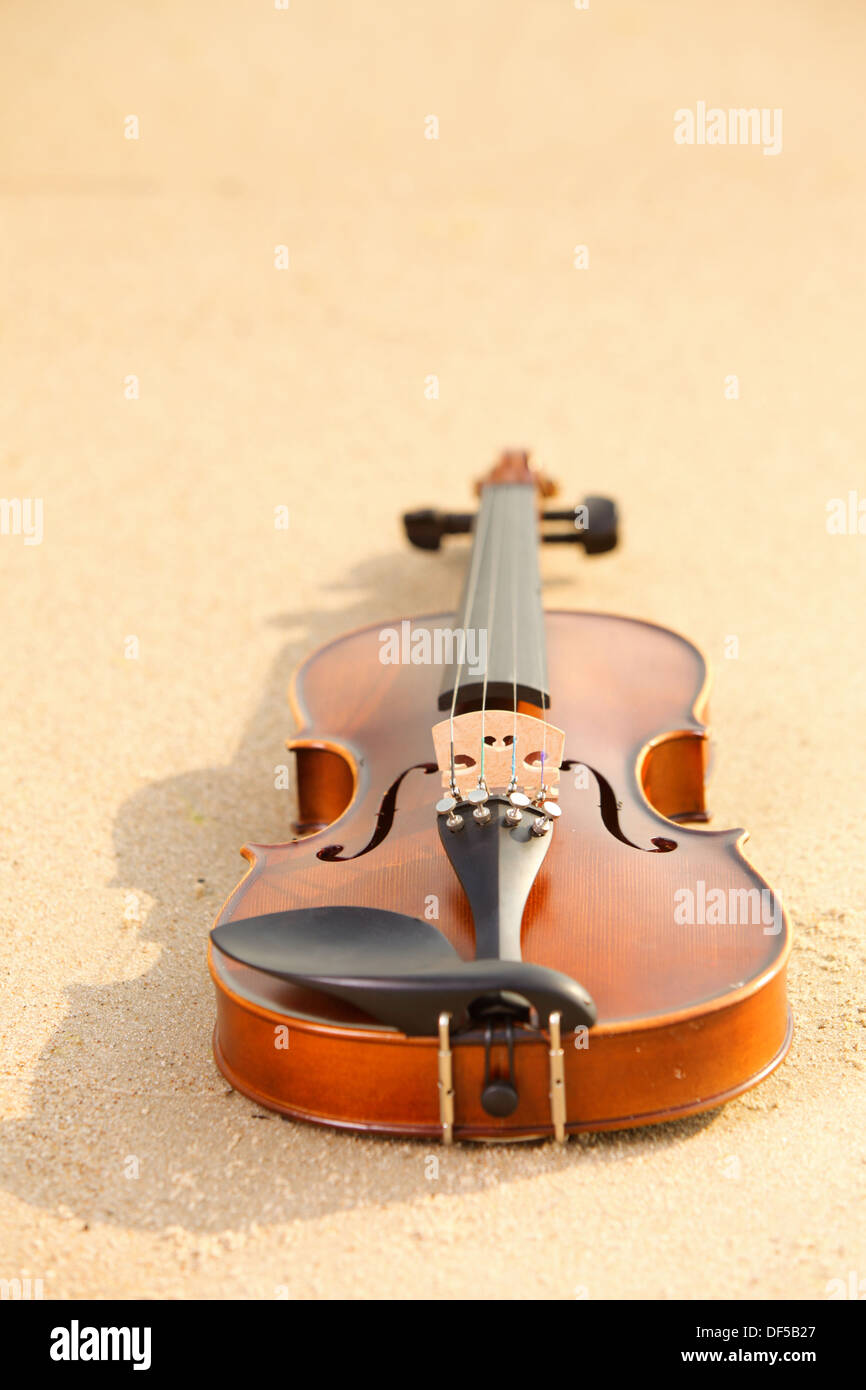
(497, 924)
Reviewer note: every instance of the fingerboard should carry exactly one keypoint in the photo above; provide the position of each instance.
(501, 610)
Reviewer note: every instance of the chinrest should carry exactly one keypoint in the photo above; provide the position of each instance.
(398, 969)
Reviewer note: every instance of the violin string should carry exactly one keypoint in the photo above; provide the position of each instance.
(541, 673)
(474, 568)
(514, 674)
(494, 581)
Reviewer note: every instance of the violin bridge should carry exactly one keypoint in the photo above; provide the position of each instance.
(537, 762)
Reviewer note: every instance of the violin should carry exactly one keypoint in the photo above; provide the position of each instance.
(501, 919)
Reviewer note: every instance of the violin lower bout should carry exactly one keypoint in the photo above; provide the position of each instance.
(385, 1082)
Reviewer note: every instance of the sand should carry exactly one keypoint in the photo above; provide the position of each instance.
(127, 1166)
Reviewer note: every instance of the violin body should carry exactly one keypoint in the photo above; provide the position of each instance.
(669, 927)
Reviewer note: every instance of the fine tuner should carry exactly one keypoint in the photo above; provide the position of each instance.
(515, 754)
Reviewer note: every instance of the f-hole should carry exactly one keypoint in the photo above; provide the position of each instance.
(333, 854)
(610, 813)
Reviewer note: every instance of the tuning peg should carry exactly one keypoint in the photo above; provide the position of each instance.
(594, 525)
(425, 529)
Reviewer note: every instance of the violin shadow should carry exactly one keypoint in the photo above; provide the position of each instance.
(129, 1121)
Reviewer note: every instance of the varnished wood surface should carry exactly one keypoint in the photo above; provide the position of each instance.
(688, 1014)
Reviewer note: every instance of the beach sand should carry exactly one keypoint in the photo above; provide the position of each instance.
(128, 1168)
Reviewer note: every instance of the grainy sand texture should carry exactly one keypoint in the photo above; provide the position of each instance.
(165, 387)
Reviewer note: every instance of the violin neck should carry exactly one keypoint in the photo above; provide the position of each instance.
(501, 611)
